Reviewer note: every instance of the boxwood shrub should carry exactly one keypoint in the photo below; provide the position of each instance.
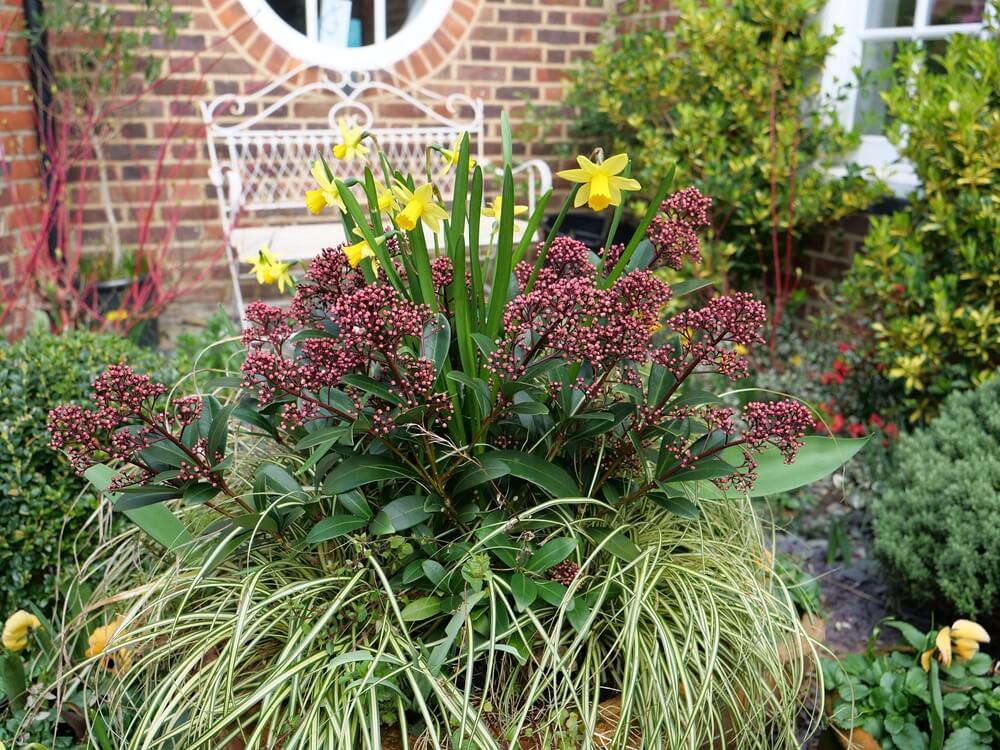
(936, 525)
(39, 492)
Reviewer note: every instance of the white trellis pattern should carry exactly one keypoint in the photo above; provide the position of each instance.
(261, 171)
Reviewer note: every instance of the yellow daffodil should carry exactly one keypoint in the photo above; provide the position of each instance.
(386, 200)
(327, 193)
(270, 270)
(962, 640)
(351, 146)
(496, 207)
(116, 316)
(359, 251)
(17, 628)
(452, 156)
(601, 184)
(418, 205)
(117, 660)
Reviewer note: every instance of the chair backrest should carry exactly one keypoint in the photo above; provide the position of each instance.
(261, 150)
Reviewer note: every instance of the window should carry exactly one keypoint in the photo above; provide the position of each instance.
(349, 34)
(873, 31)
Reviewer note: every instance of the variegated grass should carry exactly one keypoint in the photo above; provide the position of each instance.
(692, 645)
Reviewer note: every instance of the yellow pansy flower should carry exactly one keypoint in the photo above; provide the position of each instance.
(496, 207)
(452, 156)
(359, 251)
(602, 185)
(327, 193)
(118, 660)
(116, 316)
(962, 640)
(270, 270)
(351, 146)
(17, 628)
(419, 205)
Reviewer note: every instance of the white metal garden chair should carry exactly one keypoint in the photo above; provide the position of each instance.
(261, 154)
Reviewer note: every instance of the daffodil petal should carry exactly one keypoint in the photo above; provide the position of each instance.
(965, 648)
(403, 193)
(582, 195)
(626, 183)
(970, 630)
(925, 659)
(574, 175)
(615, 164)
(587, 165)
(943, 643)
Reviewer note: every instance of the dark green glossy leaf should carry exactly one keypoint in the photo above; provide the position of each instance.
(131, 498)
(434, 571)
(422, 609)
(817, 459)
(616, 543)
(524, 590)
(197, 494)
(555, 480)
(550, 554)
(333, 527)
(691, 285)
(359, 470)
(399, 515)
(436, 340)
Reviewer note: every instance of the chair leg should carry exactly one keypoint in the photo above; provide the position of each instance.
(234, 272)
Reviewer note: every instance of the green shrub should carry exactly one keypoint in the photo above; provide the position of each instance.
(700, 99)
(38, 487)
(928, 277)
(935, 525)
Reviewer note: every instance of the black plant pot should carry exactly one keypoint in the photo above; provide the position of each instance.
(590, 228)
(108, 296)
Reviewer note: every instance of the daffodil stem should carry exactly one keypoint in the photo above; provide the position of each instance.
(540, 260)
(640, 231)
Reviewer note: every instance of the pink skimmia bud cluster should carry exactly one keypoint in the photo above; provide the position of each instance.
(127, 418)
(673, 231)
(358, 329)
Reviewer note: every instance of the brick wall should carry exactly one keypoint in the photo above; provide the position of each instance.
(19, 163)
(502, 51)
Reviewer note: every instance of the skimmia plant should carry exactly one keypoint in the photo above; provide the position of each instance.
(461, 498)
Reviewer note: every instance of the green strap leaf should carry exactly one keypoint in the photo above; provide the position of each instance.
(818, 458)
(399, 515)
(359, 470)
(435, 341)
(333, 527)
(550, 554)
(422, 609)
(157, 521)
(616, 543)
(525, 591)
(555, 480)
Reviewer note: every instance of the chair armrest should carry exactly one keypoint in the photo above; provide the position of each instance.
(534, 174)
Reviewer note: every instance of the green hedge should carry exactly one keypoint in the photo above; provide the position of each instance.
(936, 526)
(39, 489)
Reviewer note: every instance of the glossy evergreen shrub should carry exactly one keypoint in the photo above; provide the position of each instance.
(40, 495)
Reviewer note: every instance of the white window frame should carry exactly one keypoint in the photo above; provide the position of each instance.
(417, 30)
(850, 16)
